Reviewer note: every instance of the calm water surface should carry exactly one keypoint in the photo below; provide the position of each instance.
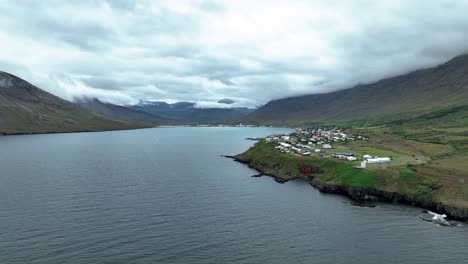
(166, 196)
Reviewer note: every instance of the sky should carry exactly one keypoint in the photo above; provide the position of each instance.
(200, 51)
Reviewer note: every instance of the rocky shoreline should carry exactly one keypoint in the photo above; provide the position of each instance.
(357, 194)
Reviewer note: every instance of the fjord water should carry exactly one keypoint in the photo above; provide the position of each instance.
(165, 195)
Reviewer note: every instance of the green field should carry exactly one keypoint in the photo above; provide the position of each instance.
(392, 178)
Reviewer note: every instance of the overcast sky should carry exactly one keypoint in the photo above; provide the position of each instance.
(204, 51)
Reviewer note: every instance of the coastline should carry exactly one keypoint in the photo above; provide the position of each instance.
(355, 193)
(107, 130)
(69, 132)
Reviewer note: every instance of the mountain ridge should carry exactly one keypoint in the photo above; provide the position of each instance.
(413, 93)
(122, 113)
(27, 109)
(187, 112)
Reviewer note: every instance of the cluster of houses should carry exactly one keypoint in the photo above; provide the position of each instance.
(310, 140)
(316, 141)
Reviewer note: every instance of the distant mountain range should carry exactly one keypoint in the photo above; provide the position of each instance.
(404, 96)
(24, 109)
(188, 112)
(122, 113)
(441, 91)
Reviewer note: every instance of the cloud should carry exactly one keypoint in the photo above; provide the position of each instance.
(200, 51)
(226, 101)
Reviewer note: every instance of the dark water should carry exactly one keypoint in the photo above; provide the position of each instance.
(166, 196)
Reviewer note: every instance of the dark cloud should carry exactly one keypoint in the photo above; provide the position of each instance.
(226, 101)
(124, 51)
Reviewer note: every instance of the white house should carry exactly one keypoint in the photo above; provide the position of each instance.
(326, 146)
(351, 158)
(367, 156)
(286, 145)
(363, 164)
(317, 150)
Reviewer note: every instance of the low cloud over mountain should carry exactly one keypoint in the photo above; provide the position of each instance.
(199, 51)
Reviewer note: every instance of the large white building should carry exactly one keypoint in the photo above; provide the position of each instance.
(378, 160)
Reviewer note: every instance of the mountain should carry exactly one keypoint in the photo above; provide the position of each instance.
(25, 108)
(122, 113)
(187, 112)
(406, 95)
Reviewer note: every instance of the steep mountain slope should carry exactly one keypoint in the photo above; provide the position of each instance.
(188, 113)
(24, 108)
(412, 94)
(122, 113)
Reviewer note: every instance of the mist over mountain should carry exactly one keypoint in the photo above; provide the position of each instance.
(25, 108)
(414, 93)
(252, 52)
(122, 113)
(188, 112)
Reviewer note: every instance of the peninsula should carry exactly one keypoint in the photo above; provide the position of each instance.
(367, 164)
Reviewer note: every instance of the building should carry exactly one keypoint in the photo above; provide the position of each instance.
(363, 164)
(342, 155)
(378, 160)
(351, 158)
(326, 146)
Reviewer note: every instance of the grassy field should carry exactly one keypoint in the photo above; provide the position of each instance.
(391, 178)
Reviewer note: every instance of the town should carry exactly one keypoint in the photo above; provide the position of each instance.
(321, 142)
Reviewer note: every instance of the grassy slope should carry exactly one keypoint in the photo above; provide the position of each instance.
(448, 128)
(398, 179)
(44, 119)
